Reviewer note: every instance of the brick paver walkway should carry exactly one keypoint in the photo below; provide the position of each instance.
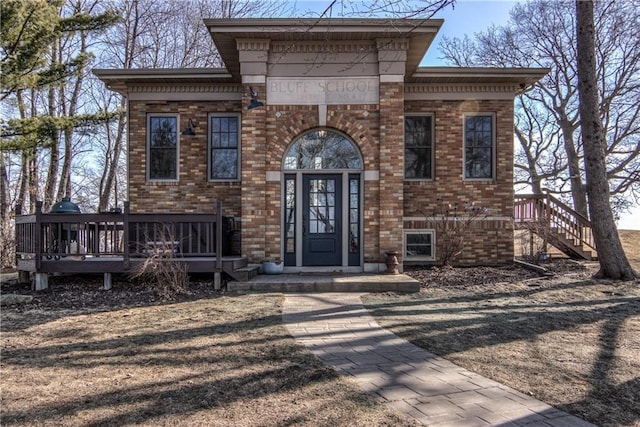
(338, 329)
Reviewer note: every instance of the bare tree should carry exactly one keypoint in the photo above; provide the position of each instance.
(613, 262)
(541, 33)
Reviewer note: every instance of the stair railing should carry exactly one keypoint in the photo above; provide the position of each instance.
(558, 217)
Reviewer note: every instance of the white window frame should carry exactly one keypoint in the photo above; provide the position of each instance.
(148, 151)
(239, 147)
(407, 257)
(433, 145)
(493, 145)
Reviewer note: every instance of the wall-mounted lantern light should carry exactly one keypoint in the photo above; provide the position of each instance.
(189, 130)
(254, 100)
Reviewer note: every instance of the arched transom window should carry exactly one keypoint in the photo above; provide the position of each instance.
(322, 149)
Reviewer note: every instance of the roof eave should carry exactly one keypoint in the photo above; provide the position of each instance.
(118, 79)
(522, 76)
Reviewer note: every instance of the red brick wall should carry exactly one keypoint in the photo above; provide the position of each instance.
(360, 123)
(492, 242)
(192, 192)
(254, 191)
(377, 131)
(391, 167)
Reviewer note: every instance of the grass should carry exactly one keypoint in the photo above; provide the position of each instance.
(570, 341)
(211, 362)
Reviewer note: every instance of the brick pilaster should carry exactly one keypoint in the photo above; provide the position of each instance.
(253, 186)
(391, 166)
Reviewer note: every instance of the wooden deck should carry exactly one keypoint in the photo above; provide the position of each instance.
(119, 242)
(117, 264)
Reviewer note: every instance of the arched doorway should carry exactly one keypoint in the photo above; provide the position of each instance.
(322, 194)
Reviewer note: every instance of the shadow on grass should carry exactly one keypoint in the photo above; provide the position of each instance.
(461, 323)
(238, 359)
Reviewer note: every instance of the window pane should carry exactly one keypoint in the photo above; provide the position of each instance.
(419, 238)
(233, 124)
(163, 144)
(417, 163)
(479, 147)
(419, 245)
(233, 139)
(162, 164)
(322, 149)
(418, 134)
(224, 148)
(224, 164)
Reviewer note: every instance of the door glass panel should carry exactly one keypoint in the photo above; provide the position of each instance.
(290, 212)
(354, 214)
(322, 212)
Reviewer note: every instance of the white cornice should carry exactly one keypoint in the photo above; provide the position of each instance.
(323, 47)
(261, 45)
(185, 88)
(185, 92)
(392, 44)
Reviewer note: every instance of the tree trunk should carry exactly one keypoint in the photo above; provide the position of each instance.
(111, 163)
(613, 261)
(578, 190)
(54, 153)
(4, 189)
(534, 176)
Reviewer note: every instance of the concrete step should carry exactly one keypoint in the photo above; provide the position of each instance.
(244, 274)
(327, 283)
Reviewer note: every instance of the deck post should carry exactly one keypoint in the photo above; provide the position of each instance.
(218, 236)
(125, 236)
(41, 282)
(38, 236)
(217, 280)
(23, 276)
(107, 282)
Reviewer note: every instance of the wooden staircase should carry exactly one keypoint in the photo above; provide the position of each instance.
(556, 223)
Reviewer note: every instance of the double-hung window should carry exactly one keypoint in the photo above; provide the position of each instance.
(419, 245)
(224, 147)
(479, 146)
(418, 147)
(162, 135)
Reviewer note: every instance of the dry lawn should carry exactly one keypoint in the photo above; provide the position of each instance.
(569, 341)
(214, 361)
(631, 243)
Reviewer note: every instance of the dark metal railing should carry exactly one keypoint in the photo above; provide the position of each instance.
(46, 236)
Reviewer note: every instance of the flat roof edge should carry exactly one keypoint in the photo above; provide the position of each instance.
(165, 73)
(479, 71)
(278, 24)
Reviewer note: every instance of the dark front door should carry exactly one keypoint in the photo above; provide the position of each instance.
(322, 220)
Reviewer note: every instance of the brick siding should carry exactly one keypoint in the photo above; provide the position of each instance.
(378, 132)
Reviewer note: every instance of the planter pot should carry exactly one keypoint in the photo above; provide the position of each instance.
(392, 262)
(273, 267)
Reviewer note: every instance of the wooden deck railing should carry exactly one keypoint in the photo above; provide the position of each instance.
(554, 216)
(46, 236)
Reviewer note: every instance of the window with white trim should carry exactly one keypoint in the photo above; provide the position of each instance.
(224, 147)
(479, 146)
(162, 147)
(418, 147)
(419, 245)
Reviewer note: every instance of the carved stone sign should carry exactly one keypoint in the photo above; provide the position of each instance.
(323, 91)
